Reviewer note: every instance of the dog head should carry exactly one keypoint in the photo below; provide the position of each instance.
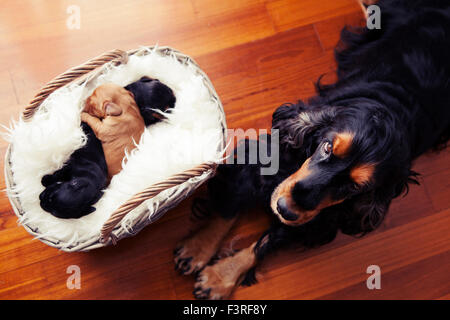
(349, 151)
(68, 199)
(109, 99)
(152, 98)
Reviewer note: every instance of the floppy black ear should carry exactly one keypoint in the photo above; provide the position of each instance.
(294, 122)
(363, 213)
(90, 210)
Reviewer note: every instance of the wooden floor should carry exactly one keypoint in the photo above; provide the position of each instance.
(258, 54)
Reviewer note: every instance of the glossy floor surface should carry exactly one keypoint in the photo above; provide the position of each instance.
(258, 54)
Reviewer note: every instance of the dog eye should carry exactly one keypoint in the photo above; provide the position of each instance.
(327, 148)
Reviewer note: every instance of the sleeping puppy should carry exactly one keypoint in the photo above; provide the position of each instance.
(71, 191)
(151, 94)
(114, 117)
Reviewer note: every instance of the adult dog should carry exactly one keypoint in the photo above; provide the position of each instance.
(346, 153)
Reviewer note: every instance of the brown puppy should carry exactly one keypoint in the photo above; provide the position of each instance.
(114, 117)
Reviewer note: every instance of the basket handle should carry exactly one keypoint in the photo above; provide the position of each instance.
(69, 76)
(150, 192)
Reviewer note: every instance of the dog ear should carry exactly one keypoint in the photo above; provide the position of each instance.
(90, 210)
(112, 109)
(283, 120)
(294, 122)
(88, 105)
(364, 212)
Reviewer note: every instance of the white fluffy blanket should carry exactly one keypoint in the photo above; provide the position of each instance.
(191, 135)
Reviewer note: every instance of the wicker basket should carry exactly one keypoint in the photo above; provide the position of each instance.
(170, 192)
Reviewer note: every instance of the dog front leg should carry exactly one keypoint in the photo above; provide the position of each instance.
(194, 252)
(219, 280)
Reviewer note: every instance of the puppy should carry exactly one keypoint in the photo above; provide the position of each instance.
(71, 191)
(151, 94)
(113, 115)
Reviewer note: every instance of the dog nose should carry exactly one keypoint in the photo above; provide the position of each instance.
(284, 211)
(305, 197)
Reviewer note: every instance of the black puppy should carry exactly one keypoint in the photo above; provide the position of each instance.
(71, 191)
(151, 94)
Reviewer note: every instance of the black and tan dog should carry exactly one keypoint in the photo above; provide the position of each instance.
(346, 153)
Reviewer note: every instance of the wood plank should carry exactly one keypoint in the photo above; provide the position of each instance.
(329, 30)
(433, 282)
(288, 14)
(17, 248)
(446, 297)
(438, 185)
(188, 33)
(335, 270)
(406, 208)
(205, 9)
(255, 78)
(7, 90)
(432, 162)
(259, 54)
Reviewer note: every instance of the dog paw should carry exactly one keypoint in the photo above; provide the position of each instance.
(193, 253)
(212, 283)
(218, 281)
(191, 256)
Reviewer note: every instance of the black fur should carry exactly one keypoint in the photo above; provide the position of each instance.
(151, 95)
(393, 93)
(71, 191)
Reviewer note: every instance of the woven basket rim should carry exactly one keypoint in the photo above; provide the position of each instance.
(143, 219)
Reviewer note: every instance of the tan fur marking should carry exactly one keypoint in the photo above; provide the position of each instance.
(302, 173)
(285, 190)
(202, 245)
(222, 277)
(362, 173)
(305, 216)
(342, 144)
